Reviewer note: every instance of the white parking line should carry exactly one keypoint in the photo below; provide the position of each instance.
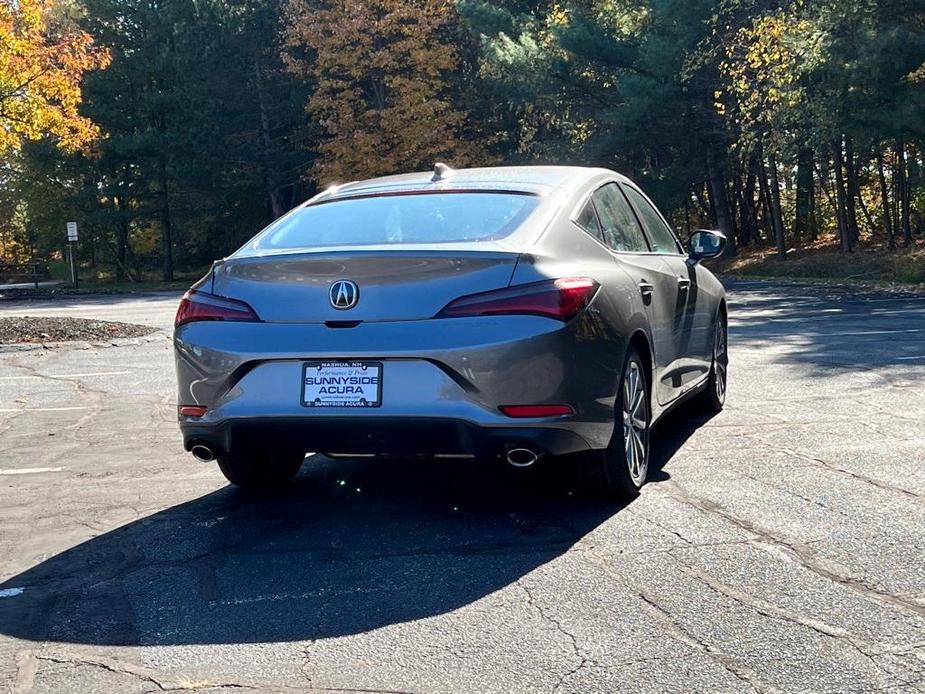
(45, 409)
(89, 375)
(816, 333)
(30, 470)
(875, 332)
(762, 313)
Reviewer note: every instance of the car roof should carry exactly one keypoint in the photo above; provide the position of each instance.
(527, 179)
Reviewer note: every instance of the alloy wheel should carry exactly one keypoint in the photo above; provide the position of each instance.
(720, 360)
(635, 423)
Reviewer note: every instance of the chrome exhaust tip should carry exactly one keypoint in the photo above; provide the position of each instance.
(522, 457)
(202, 453)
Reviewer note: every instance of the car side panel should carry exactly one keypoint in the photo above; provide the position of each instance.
(695, 325)
(566, 250)
(689, 335)
(661, 308)
(647, 291)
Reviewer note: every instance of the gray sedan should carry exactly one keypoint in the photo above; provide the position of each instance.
(516, 313)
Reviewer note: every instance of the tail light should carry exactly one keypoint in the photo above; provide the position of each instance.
(562, 299)
(196, 306)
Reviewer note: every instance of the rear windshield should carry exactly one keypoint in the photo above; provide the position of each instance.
(400, 219)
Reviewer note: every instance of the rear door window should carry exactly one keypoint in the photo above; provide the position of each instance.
(587, 220)
(660, 234)
(620, 226)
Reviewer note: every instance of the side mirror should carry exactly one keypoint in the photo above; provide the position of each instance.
(704, 243)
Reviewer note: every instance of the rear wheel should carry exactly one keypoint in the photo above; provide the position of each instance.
(260, 469)
(713, 397)
(620, 470)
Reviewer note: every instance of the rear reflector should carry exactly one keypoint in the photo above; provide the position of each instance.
(199, 306)
(536, 410)
(192, 410)
(561, 299)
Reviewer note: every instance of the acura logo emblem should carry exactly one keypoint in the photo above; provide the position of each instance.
(344, 294)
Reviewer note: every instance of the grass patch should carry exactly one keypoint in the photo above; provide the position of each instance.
(105, 279)
(58, 270)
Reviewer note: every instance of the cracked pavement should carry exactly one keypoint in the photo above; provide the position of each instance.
(779, 546)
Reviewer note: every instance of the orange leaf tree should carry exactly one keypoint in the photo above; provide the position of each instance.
(382, 73)
(41, 69)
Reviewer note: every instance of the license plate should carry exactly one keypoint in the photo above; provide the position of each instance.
(342, 384)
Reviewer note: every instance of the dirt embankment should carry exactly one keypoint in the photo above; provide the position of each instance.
(903, 268)
(26, 329)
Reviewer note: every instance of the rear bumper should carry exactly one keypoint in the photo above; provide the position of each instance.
(443, 382)
(381, 435)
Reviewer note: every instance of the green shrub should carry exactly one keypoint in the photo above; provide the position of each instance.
(58, 270)
(910, 270)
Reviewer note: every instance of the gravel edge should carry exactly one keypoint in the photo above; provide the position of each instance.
(157, 335)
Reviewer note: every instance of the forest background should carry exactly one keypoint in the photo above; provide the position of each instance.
(173, 130)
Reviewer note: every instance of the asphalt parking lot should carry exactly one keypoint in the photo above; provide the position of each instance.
(779, 546)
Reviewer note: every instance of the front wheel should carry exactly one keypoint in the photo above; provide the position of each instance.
(620, 470)
(252, 468)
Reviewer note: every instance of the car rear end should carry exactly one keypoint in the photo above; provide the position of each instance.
(403, 339)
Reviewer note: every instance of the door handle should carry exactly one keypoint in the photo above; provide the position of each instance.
(684, 284)
(646, 290)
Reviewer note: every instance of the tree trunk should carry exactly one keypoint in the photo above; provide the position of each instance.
(813, 212)
(902, 193)
(121, 243)
(764, 199)
(121, 237)
(885, 205)
(853, 190)
(801, 222)
(749, 211)
(841, 194)
(734, 195)
(717, 174)
(710, 207)
(776, 215)
(866, 211)
(702, 208)
(166, 223)
(273, 190)
(897, 196)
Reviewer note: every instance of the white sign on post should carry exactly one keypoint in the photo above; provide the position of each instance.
(72, 231)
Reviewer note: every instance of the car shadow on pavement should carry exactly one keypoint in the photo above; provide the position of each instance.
(670, 434)
(353, 546)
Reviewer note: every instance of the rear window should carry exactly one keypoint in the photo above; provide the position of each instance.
(400, 219)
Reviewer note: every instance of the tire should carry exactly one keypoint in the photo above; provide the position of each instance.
(259, 469)
(713, 397)
(619, 471)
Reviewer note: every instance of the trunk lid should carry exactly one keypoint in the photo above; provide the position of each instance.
(394, 285)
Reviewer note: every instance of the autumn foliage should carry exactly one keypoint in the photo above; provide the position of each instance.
(41, 70)
(381, 71)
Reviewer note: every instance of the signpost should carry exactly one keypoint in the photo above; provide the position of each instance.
(35, 265)
(71, 250)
